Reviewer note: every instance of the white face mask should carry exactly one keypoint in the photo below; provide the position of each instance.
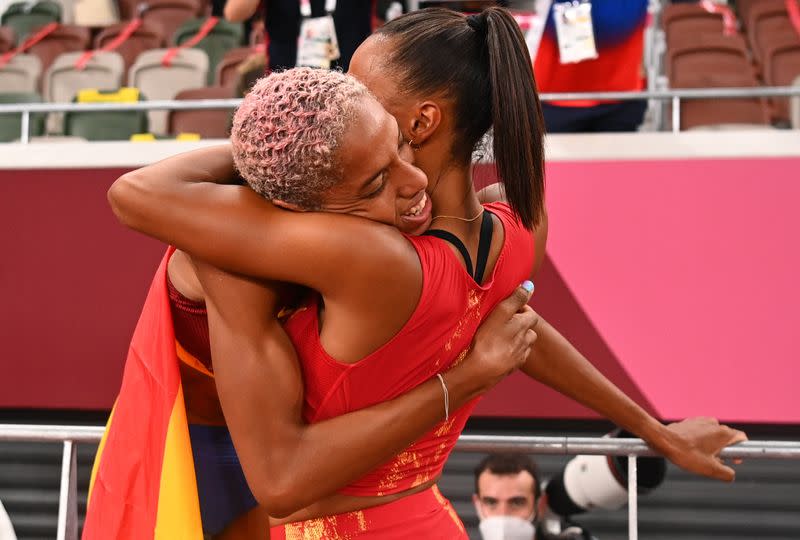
(506, 528)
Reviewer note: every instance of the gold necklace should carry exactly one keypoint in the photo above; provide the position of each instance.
(468, 220)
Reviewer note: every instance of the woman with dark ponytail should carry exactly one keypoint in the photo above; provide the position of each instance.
(398, 309)
(480, 68)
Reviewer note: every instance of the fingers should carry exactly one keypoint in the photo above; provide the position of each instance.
(530, 339)
(728, 436)
(737, 437)
(517, 300)
(527, 318)
(722, 472)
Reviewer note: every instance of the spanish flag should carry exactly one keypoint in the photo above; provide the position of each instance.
(143, 484)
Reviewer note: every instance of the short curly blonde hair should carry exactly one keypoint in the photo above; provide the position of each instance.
(287, 133)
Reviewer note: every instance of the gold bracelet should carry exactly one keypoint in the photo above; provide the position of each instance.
(446, 397)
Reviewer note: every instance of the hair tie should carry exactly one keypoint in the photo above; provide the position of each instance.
(477, 23)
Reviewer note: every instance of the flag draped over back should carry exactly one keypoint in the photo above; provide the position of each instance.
(143, 484)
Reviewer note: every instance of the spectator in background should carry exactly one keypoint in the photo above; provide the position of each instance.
(619, 37)
(506, 494)
(352, 18)
(508, 501)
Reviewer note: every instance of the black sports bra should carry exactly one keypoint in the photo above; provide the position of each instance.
(484, 243)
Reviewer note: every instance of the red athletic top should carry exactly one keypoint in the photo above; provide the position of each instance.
(435, 338)
(616, 69)
(190, 320)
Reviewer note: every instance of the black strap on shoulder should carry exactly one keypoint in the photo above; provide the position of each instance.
(456, 241)
(484, 243)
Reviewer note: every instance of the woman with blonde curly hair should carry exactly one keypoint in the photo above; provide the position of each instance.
(390, 311)
(297, 123)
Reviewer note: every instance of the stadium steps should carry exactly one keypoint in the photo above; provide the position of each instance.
(30, 475)
(763, 503)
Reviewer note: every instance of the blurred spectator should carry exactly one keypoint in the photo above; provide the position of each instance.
(352, 18)
(6, 530)
(218, 10)
(506, 494)
(509, 503)
(618, 27)
(249, 72)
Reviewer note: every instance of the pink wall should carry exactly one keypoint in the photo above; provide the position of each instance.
(688, 272)
(677, 278)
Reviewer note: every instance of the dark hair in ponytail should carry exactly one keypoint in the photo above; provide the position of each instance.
(482, 62)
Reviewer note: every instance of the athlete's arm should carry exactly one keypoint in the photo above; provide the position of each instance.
(178, 201)
(240, 10)
(289, 464)
(692, 444)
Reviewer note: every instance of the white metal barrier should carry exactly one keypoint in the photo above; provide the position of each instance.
(632, 448)
(674, 95)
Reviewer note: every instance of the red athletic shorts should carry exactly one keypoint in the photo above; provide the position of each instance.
(423, 515)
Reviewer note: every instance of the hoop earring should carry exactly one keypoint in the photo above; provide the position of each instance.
(413, 145)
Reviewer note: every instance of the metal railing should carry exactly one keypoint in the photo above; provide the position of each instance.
(673, 95)
(632, 448)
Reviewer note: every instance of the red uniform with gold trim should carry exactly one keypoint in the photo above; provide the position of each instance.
(435, 338)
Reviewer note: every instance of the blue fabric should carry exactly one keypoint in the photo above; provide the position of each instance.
(614, 21)
(605, 117)
(221, 486)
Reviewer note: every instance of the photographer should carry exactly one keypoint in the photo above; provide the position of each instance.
(508, 499)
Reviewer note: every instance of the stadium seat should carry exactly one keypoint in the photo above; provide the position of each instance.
(743, 8)
(702, 41)
(781, 68)
(24, 17)
(223, 37)
(209, 124)
(168, 15)
(188, 69)
(65, 38)
(21, 74)
(713, 112)
(106, 125)
(129, 9)
(682, 19)
(8, 39)
(96, 13)
(714, 54)
(767, 19)
(228, 68)
(64, 80)
(11, 124)
(144, 38)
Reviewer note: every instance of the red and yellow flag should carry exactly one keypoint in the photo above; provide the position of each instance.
(143, 484)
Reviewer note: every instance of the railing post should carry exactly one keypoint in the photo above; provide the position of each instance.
(676, 114)
(68, 496)
(633, 500)
(24, 137)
